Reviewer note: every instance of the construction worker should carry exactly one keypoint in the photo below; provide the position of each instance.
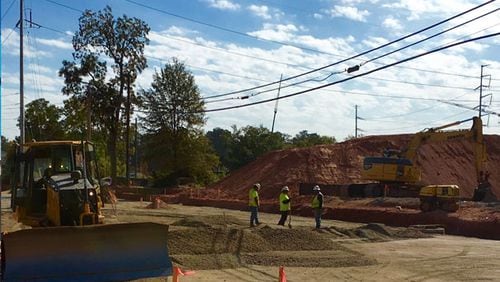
(253, 203)
(317, 205)
(284, 205)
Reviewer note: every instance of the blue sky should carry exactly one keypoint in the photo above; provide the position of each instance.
(312, 34)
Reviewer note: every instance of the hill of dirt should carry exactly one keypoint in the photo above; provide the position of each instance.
(450, 162)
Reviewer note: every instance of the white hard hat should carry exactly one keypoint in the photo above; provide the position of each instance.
(316, 188)
(285, 188)
(257, 185)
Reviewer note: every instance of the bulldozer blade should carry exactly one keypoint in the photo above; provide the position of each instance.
(115, 252)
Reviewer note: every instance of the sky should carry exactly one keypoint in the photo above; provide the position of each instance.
(231, 45)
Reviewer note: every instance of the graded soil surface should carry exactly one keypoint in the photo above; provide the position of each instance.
(219, 246)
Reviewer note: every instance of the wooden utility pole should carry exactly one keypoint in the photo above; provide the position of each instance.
(21, 73)
(355, 121)
(276, 105)
(127, 137)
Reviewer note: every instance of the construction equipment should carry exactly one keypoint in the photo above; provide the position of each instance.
(56, 183)
(57, 190)
(397, 170)
(444, 197)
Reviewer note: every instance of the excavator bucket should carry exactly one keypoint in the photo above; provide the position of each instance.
(114, 252)
(484, 193)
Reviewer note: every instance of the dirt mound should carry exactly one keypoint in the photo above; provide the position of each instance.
(210, 247)
(210, 220)
(376, 232)
(449, 162)
(294, 239)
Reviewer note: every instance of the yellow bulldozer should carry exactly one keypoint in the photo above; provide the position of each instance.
(397, 172)
(444, 197)
(56, 190)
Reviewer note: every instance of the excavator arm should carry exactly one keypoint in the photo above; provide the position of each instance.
(474, 134)
(400, 167)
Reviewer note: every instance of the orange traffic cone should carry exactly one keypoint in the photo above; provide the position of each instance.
(282, 274)
(178, 272)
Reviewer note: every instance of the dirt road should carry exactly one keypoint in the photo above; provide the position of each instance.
(218, 246)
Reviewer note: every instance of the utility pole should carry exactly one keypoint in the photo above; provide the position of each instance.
(276, 105)
(355, 121)
(89, 112)
(21, 73)
(481, 86)
(356, 117)
(135, 147)
(127, 138)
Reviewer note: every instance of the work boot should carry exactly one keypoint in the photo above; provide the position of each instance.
(252, 225)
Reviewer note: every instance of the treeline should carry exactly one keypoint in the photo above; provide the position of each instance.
(169, 143)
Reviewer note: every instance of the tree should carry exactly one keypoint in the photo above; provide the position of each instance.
(122, 40)
(43, 121)
(173, 121)
(222, 142)
(306, 139)
(8, 153)
(251, 142)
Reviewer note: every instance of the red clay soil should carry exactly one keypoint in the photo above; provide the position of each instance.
(450, 162)
(471, 219)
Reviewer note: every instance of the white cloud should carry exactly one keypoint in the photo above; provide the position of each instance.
(349, 12)
(373, 41)
(58, 43)
(260, 11)
(420, 7)
(278, 32)
(392, 23)
(351, 2)
(175, 30)
(318, 16)
(223, 5)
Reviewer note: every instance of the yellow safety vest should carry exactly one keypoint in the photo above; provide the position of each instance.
(315, 202)
(284, 207)
(251, 197)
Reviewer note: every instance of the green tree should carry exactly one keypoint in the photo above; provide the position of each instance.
(173, 121)
(122, 40)
(222, 142)
(251, 142)
(306, 139)
(42, 121)
(8, 152)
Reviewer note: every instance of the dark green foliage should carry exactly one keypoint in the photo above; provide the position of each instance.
(306, 139)
(43, 121)
(173, 121)
(8, 152)
(122, 40)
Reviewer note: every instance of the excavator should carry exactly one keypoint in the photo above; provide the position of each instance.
(56, 190)
(398, 175)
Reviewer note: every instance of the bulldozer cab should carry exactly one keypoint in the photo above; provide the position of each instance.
(56, 165)
(57, 184)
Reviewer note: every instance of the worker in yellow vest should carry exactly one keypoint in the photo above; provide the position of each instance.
(317, 205)
(285, 206)
(253, 203)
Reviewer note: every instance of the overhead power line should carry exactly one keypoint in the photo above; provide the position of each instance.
(355, 56)
(263, 59)
(7, 10)
(356, 76)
